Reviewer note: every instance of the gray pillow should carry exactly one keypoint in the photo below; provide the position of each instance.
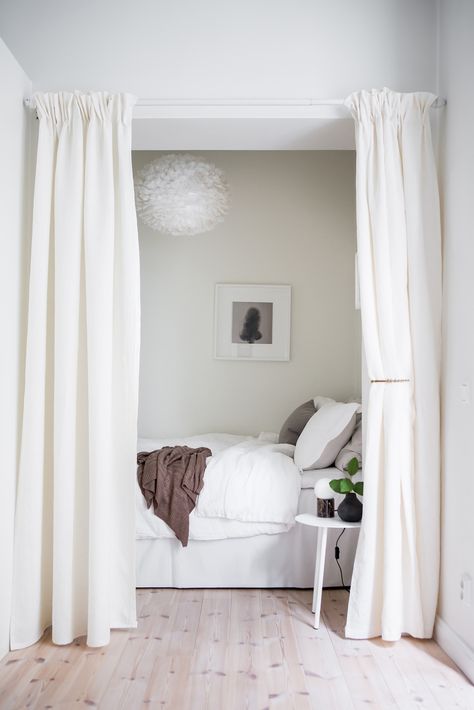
(296, 422)
(353, 449)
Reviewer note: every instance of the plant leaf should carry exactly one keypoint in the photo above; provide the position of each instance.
(352, 467)
(346, 486)
(359, 488)
(341, 485)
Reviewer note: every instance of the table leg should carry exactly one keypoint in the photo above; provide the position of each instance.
(319, 574)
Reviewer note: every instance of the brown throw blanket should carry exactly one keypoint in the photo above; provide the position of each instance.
(171, 478)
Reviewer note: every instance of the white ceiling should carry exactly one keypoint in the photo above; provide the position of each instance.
(246, 50)
(224, 48)
(243, 134)
(234, 127)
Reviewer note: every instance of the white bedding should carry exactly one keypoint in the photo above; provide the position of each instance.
(251, 487)
(251, 481)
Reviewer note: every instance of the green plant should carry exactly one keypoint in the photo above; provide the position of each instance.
(345, 485)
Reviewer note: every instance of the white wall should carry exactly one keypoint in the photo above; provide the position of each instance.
(457, 187)
(292, 220)
(216, 48)
(14, 143)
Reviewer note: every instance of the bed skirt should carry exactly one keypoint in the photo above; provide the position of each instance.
(283, 560)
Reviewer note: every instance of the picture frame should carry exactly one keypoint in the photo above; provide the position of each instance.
(252, 322)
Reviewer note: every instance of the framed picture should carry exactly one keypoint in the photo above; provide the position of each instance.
(252, 322)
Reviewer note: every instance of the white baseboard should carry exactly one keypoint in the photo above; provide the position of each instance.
(455, 647)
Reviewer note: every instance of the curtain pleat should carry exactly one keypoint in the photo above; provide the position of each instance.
(74, 536)
(395, 582)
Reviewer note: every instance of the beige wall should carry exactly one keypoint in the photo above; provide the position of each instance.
(292, 220)
(14, 175)
(456, 630)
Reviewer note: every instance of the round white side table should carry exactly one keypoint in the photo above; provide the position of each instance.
(322, 524)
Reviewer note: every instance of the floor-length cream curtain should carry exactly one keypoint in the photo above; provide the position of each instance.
(395, 581)
(74, 529)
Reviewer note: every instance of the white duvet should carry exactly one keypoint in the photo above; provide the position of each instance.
(251, 487)
(252, 481)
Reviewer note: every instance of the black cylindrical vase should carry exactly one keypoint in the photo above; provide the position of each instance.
(350, 510)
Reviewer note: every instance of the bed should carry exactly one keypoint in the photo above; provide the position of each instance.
(242, 551)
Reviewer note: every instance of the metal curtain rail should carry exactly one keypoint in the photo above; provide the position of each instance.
(438, 103)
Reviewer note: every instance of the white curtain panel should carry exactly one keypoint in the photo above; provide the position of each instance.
(395, 582)
(74, 539)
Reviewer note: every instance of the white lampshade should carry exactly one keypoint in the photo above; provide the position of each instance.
(181, 194)
(323, 490)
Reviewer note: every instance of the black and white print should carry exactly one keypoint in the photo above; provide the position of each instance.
(252, 322)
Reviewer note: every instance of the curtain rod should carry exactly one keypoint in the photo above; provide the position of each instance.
(29, 102)
(438, 103)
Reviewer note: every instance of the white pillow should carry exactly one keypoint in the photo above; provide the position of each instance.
(320, 401)
(325, 434)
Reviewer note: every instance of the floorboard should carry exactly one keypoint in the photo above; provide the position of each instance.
(234, 649)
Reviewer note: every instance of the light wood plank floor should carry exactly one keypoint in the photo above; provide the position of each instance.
(235, 650)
